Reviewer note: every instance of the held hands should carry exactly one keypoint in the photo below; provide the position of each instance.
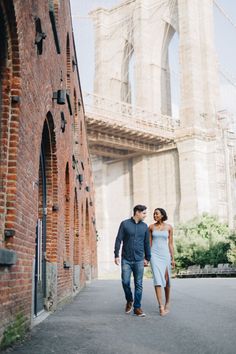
(117, 261)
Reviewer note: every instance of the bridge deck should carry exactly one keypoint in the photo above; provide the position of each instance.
(117, 129)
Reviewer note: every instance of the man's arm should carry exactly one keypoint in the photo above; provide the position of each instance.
(147, 250)
(119, 239)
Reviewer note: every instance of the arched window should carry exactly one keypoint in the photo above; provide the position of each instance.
(57, 4)
(54, 9)
(174, 75)
(75, 104)
(81, 133)
(76, 128)
(54, 6)
(131, 80)
(68, 63)
(128, 85)
(170, 86)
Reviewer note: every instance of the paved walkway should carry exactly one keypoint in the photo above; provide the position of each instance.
(202, 321)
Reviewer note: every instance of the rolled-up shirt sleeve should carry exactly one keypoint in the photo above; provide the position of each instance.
(119, 239)
(147, 250)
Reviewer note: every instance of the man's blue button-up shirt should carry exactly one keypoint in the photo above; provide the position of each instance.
(135, 238)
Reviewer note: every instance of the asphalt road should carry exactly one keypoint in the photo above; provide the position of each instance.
(202, 321)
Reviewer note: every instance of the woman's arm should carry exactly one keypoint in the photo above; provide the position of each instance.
(171, 245)
(150, 234)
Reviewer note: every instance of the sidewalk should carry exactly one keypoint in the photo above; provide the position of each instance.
(202, 321)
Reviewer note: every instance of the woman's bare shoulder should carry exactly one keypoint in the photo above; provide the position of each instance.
(150, 227)
(169, 227)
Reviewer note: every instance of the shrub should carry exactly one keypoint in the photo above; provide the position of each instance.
(204, 240)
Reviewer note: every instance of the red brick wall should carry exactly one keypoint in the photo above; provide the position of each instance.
(34, 78)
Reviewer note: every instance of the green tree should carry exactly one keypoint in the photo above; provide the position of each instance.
(204, 240)
(232, 251)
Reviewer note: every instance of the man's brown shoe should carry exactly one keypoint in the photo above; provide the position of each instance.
(139, 312)
(128, 307)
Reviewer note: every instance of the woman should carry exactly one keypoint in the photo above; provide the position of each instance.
(162, 257)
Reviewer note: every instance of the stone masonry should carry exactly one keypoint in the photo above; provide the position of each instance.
(193, 175)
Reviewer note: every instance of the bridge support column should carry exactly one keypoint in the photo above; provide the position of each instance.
(140, 181)
(156, 183)
(113, 185)
(198, 183)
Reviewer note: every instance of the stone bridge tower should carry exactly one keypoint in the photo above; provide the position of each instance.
(183, 179)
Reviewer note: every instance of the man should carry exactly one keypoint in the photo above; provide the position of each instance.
(134, 235)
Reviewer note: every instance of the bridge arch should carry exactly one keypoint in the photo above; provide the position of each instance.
(127, 75)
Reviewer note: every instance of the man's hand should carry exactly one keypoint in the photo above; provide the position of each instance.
(117, 261)
(145, 263)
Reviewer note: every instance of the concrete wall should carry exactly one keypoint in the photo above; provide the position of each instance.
(113, 198)
(153, 181)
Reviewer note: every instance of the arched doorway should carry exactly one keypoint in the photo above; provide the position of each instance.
(40, 245)
(76, 248)
(67, 214)
(46, 242)
(87, 249)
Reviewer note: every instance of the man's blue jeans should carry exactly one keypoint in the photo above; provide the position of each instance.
(137, 268)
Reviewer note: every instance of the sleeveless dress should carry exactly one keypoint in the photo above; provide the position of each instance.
(160, 257)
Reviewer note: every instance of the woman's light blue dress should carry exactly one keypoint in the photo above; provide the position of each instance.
(160, 257)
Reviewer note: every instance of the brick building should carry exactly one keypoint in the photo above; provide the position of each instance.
(47, 220)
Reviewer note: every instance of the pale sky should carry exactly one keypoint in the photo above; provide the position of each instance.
(225, 38)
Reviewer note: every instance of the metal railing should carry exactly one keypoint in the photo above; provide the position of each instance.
(128, 116)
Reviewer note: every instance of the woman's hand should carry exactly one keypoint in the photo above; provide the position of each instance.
(173, 263)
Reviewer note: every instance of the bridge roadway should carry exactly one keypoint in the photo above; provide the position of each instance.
(202, 321)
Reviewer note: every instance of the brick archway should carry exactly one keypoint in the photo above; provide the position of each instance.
(10, 91)
(67, 214)
(46, 235)
(49, 143)
(87, 244)
(77, 249)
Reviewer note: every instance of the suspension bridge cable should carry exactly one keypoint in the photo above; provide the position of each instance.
(223, 12)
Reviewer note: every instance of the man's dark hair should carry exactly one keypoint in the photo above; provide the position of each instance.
(139, 207)
(163, 213)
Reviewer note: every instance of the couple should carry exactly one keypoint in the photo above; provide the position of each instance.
(137, 238)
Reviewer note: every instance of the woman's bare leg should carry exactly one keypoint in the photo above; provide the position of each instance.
(167, 292)
(158, 292)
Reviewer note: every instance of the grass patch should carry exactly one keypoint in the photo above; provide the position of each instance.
(15, 331)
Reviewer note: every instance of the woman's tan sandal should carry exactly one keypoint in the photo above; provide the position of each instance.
(162, 311)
